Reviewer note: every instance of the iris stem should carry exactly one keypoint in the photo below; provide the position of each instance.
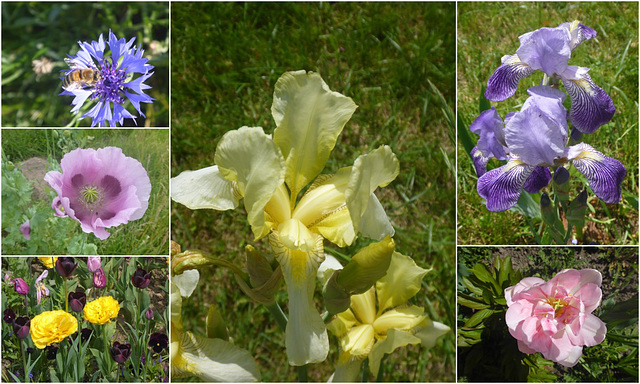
(277, 312)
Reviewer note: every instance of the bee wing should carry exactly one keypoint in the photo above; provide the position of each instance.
(73, 86)
(71, 64)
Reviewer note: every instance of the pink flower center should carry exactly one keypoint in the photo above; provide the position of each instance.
(559, 306)
(92, 196)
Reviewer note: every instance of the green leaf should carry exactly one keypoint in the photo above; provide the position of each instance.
(478, 317)
(472, 287)
(527, 206)
(465, 135)
(471, 302)
(505, 272)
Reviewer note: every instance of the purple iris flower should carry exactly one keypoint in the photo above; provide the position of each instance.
(549, 50)
(534, 140)
(122, 72)
(100, 189)
(25, 229)
(41, 289)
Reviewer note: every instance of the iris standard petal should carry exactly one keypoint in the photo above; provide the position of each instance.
(402, 281)
(309, 117)
(204, 188)
(578, 32)
(306, 335)
(376, 169)
(591, 106)
(603, 173)
(503, 83)
(364, 306)
(546, 49)
(250, 158)
(501, 187)
(539, 178)
(490, 127)
(535, 138)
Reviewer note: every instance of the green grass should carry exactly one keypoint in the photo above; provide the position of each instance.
(146, 236)
(486, 32)
(35, 30)
(396, 62)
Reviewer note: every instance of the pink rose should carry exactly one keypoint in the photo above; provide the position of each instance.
(554, 317)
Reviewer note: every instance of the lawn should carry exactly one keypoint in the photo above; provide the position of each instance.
(486, 32)
(396, 62)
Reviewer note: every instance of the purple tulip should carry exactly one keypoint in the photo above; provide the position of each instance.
(158, 342)
(535, 139)
(66, 266)
(149, 314)
(21, 286)
(77, 301)
(141, 278)
(21, 326)
(8, 316)
(26, 230)
(93, 263)
(51, 350)
(100, 189)
(99, 279)
(120, 352)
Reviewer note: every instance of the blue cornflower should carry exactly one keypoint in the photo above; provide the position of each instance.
(108, 77)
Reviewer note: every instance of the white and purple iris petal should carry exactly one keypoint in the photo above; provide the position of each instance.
(100, 189)
(603, 173)
(591, 106)
(502, 187)
(503, 83)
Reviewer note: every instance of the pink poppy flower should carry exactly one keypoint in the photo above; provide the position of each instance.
(554, 317)
(100, 189)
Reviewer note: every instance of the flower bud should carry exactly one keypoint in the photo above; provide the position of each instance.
(141, 278)
(561, 183)
(99, 279)
(21, 286)
(21, 326)
(77, 301)
(66, 266)
(93, 263)
(149, 314)
(120, 352)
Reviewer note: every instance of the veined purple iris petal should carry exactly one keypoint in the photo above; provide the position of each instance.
(120, 68)
(539, 178)
(591, 106)
(503, 83)
(480, 161)
(490, 127)
(501, 187)
(100, 188)
(603, 173)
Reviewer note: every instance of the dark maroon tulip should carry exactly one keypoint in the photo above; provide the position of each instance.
(141, 278)
(85, 333)
(8, 316)
(66, 266)
(77, 300)
(120, 352)
(51, 350)
(21, 326)
(21, 286)
(158, 342)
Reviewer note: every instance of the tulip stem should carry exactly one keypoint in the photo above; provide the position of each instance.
(24, 362)
(302, 373)
(66, 297)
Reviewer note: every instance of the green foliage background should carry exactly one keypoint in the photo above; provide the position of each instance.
(486, 32)
(59, 236)
(47, 29)
(396, 62)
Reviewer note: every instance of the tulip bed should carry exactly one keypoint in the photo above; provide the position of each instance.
(85, 319)
(32, 156)
(497, 287)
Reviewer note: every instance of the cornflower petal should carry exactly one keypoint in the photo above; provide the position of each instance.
(591, 106)
(502, 187)
(603, 173)
(503, 83)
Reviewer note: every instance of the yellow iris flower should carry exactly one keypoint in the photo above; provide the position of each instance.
(379, 320)
(270, 172)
